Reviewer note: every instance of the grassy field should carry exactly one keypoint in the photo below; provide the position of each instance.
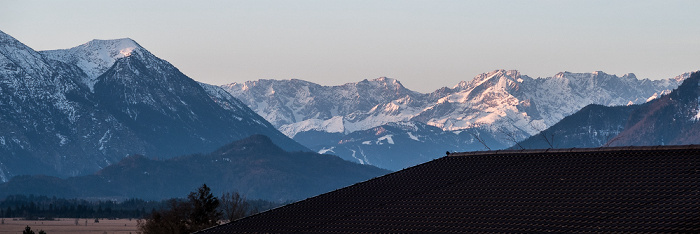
(66, 226)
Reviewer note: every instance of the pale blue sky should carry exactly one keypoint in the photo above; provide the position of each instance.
(424, 44)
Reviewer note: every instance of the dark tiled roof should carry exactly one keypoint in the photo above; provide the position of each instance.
(630, 189)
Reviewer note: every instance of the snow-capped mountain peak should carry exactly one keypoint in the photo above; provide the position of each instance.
(96, 56)
(114, 48)
(494, 76)
(386, 82)
(630, 76)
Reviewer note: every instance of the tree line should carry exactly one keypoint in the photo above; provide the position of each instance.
(33, 207)
(42, 207)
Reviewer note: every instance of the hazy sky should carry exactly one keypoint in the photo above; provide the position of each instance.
(424, 44)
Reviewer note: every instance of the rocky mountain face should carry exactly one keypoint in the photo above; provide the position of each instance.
(498, 108)
(297, 106)
(72, 112)
(255, 167)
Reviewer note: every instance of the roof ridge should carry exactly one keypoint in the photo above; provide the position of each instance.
(598, 149)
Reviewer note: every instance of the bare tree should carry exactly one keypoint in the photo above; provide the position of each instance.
(510, 136)
(171, 220)
(614, 139)
(233, 206)
(478, 138)
(543, 133)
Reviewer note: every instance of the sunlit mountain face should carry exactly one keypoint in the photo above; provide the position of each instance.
(382, 123)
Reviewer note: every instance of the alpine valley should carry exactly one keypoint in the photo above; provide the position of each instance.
(380, 122)
(75, 111)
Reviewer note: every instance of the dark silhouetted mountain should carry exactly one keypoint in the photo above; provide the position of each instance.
(74, 111)
(255, 167)
(591, 127)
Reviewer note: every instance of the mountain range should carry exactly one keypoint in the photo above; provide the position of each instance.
(382, 123)
(75, 111)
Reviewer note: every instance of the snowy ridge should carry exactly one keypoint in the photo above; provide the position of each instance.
(28, 60)
(221, 97)
(286, 102)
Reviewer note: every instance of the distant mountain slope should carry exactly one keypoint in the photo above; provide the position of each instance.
(669, 120)
(254, 167)
(74, 111)
(396, 146)
(593, 126)
(502, 105)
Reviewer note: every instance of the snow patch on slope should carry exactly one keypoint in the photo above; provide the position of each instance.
(388, 139)
(697, 110)
(657, 95)
(333, 125)
(105, 138)
(358, 159)
(3, 177)
(326, 150)
(410, 135)
(62, 139)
